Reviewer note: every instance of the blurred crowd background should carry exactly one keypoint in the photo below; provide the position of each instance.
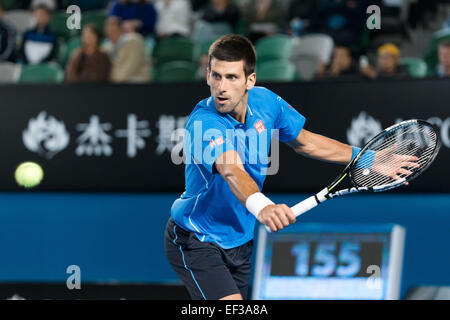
(138, 41)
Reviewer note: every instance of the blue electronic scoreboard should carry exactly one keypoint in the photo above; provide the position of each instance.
(328, 261)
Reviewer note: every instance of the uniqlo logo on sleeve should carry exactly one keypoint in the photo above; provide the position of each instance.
(219, 141)
(259, 126)
(214, 143)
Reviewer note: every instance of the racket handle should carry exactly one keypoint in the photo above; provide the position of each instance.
(307, 204)
(304, 206)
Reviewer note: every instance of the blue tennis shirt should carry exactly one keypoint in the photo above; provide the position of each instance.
(208, 207)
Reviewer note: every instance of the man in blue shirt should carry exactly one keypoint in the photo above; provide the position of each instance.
(208, 239)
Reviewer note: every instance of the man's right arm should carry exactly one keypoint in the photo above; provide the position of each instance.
(230, 167)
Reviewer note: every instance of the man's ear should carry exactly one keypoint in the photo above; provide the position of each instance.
(251, 80)
(208, 71)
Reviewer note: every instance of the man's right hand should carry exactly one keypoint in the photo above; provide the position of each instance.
(276, 216)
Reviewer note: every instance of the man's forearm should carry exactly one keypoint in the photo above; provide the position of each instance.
(322, 148)
(240, 183)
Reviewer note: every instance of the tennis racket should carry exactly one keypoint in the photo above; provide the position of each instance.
(392, 158)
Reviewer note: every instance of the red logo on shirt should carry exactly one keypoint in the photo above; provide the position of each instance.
(214, 143)
(259, 126)
(219, 141)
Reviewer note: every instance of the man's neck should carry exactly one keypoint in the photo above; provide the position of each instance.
(240, 111)
(41, 28)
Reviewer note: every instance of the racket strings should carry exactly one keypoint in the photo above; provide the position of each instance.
(390, 153)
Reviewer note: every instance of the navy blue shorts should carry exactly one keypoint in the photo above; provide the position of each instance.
(208, 271)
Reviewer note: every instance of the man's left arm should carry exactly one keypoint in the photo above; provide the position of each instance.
(319, 147)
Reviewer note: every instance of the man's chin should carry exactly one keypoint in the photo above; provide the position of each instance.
(222, 107)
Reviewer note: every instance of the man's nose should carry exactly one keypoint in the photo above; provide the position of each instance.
(223, 85)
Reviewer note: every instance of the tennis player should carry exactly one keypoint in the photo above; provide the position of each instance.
(208, 239)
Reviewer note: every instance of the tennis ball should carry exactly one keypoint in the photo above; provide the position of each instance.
(28, 174)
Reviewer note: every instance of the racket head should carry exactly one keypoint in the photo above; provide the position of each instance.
(388, 150)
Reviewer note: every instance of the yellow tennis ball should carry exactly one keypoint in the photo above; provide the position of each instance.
(29, 174)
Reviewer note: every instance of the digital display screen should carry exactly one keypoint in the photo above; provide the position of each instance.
(328, 262)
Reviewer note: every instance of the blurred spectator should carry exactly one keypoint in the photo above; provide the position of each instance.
(388, 64)
(344, 20)
(264, 18)
(89, 63)
(174, 18)
(50, 4)
(342, 65)
(221, 11)
(443, 69)
(137, 15)
(7, 39)
(128, 56)
(39, 44)
(302, 15)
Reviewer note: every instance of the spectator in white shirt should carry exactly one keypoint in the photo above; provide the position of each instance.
(174, 18)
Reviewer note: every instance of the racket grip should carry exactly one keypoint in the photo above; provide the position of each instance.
(304, 206)
(307, 204)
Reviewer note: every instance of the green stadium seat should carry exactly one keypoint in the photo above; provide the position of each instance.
(277, 70)
(96, 17)
(176, 71)
(41, 73)
(67, 50)
(417, 67)
(277, 47)
(9, 4)
(174, 49)
(431, 54)
(59, 25)
(86, 5)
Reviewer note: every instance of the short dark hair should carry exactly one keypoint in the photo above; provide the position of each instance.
(93, 27)
(42, 6)
(233, 47)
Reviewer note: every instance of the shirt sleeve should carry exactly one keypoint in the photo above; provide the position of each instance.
(289, 122)
(206, 138)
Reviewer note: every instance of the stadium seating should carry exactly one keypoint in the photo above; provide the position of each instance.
(9, 72)
(277, 47)
(205, 31)
(176, 71)
(174, 49)
(97, 17)
(277, 70)
(67, 48)
(308, 50)
(417, 67)
(86, 5)
(9, 4)
(58, 25)
(21, 20)
(41, 73)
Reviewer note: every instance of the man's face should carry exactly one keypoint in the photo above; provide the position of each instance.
(342, 58)
(88, 37)
(444, 56)
(228, 83)
(42, 17)
(112, 28)
(387, 61)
